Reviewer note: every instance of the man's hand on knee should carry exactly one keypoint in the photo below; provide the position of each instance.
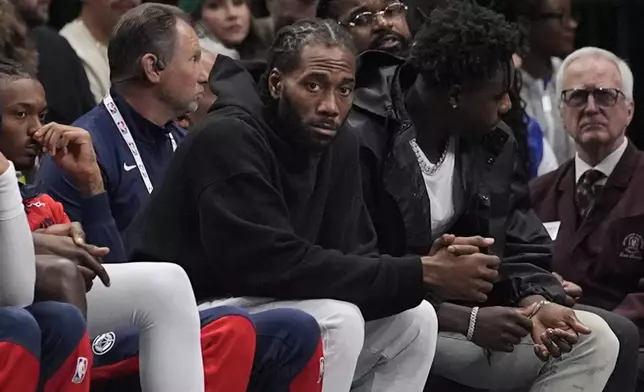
(555, 330)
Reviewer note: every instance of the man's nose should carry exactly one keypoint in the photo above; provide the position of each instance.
(203, 74)
(591, 104)
(381, 22)
(34, 125)
(329, 106)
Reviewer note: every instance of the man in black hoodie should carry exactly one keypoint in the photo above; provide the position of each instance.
(263, 200)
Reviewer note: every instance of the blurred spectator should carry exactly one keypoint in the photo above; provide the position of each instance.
(541, 157)
(14, 43)
(549, 34)
(59, 68)
(533, 148)
(593, 203)
(283, 13)
(374, 24)
(226, 27)
(89, 34)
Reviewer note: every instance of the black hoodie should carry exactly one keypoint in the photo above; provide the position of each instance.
(244, 216)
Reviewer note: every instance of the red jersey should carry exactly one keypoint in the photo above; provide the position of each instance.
(43, 211)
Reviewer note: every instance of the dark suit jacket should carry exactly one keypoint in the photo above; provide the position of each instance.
(605, 253)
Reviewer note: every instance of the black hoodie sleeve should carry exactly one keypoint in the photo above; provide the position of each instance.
(245, 229)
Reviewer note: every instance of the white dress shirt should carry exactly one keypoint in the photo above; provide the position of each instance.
(606, 166)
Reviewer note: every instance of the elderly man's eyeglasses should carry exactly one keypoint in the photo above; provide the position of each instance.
(367, 18)
(578, 97)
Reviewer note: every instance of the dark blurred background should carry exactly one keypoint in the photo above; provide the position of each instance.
(608, 24)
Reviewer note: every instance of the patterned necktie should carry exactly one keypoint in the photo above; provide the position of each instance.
(587, 192)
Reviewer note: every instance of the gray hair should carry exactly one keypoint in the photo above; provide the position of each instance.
(590, 51)
(148, 28)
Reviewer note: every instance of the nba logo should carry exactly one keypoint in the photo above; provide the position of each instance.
(111, 107)
(81, 370)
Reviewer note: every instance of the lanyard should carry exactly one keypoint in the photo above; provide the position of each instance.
(129, 140)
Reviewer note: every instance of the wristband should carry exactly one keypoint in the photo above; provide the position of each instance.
(538, 308)
(472, 325)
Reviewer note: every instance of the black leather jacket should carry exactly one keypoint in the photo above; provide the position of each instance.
(492, 200)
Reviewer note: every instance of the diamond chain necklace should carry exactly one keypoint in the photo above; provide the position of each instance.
(425, 165)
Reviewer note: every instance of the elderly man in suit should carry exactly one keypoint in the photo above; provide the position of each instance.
(593, 205)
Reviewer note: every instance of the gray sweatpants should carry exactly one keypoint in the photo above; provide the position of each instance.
(393, 354)
(156, 298)
(586, 368)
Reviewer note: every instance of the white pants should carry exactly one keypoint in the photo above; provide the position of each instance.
(158, 299)
(393, 354)
(586, 368)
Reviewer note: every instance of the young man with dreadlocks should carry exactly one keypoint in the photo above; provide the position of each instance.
(436, 160)
(267, 212)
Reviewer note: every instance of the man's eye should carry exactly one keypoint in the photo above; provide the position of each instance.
(363, 19)
(21, 114)
(314, 87)
(346, 91)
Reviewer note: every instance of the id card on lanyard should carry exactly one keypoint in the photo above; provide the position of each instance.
(124, 130)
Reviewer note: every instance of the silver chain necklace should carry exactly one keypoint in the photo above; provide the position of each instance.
(425, 165)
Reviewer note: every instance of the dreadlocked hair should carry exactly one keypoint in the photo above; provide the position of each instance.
(463, 44)
(286, 51)
(516, 117)
(14, 42)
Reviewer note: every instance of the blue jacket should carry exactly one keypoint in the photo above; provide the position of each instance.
(535, 145)
(106, 216)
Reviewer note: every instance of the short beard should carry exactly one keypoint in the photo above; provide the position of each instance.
(286, 123)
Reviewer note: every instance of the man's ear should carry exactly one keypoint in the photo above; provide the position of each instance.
(453, 95)
(275, 83)
(149, 67)
(631, 111)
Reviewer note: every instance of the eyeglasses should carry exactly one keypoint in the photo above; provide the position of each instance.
(578, 97)
(564, 19)
(367, 18)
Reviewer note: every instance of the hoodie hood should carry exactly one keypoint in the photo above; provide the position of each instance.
(234, 86)
(374, 76)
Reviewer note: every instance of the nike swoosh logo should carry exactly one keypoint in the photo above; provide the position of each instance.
(128, 168)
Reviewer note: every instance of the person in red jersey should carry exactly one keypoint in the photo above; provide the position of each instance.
(43, 346)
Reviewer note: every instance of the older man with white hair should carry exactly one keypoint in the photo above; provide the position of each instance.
(593, 204)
